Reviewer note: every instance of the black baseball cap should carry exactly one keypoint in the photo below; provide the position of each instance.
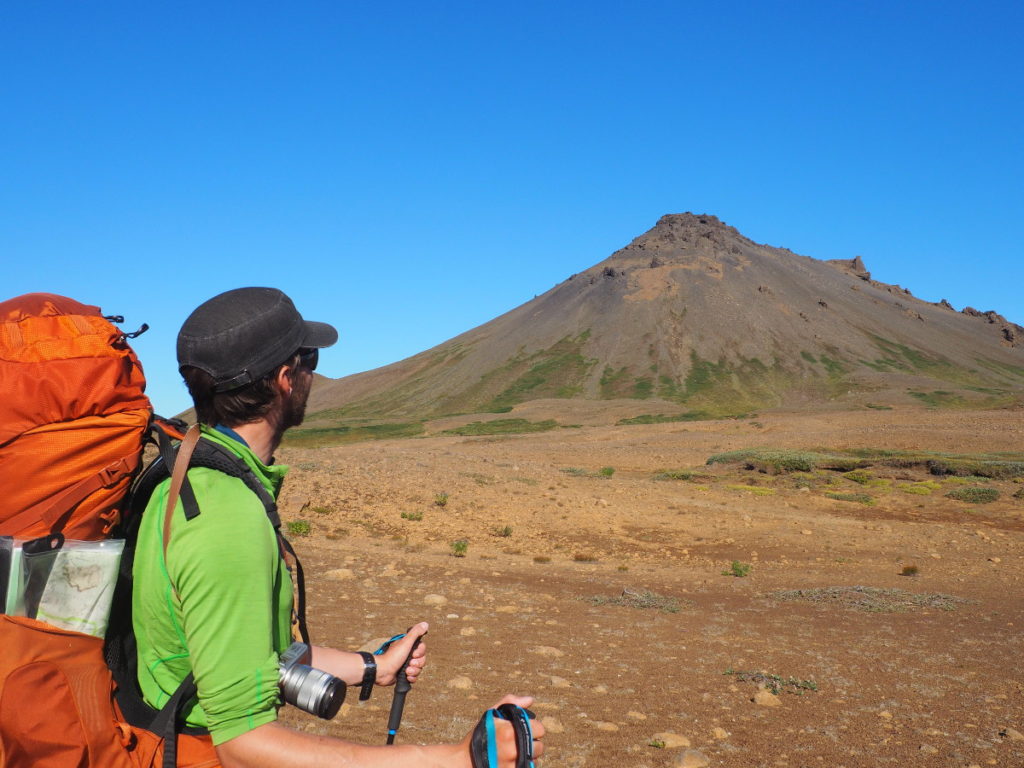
(240, 336)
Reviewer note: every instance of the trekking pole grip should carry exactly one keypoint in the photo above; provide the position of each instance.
(402, 687)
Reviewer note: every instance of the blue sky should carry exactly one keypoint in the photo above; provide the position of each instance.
(407, 171)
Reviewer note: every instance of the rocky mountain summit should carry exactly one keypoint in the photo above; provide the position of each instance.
(693, 315)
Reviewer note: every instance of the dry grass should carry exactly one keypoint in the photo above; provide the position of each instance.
(871, 599)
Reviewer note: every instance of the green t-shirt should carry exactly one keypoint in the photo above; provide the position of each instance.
(228, 616)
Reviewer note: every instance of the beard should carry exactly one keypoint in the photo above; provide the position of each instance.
(295, 406)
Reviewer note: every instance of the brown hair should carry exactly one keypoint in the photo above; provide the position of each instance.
(237, 406)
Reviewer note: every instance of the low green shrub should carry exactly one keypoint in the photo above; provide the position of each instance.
(738, 569)
(973, 494)
(860, 498)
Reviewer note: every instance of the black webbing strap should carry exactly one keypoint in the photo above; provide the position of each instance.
(166, 722)
(482, 747)
(213, 456)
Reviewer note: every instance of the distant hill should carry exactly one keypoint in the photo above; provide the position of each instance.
(695, 317)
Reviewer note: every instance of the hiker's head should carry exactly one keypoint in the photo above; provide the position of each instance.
(244, 350)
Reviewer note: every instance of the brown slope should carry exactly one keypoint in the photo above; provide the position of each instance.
(695, 313)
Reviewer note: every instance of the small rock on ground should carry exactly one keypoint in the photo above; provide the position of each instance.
(671, 740)
(552, 725)
(460, 683)
(691, 758)
(547, 650)
(765, 698)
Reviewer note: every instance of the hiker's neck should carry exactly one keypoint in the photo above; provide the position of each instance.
(263, 437)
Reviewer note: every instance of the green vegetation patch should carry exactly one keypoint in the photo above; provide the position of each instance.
(738, 570)
(860, 498)
(974, 494)
(687, 475)
(774, 461)
(757, 490)
(939, 398)
(774, 683)
(871, 599)
(900, 357)
(919, 489)
(315, 437)
(731, 387)
(661, 418)
(633, 598)
(558, 371)
(977, 466)
(502, 427)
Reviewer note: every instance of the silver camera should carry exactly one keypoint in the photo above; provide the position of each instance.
(311, 690)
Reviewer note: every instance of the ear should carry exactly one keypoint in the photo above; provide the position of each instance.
(283, 380)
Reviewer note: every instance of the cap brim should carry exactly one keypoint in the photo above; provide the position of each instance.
(319, 335)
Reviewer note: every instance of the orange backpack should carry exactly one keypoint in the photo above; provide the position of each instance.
(74, 419)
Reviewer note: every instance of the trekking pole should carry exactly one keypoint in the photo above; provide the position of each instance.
(402, 687)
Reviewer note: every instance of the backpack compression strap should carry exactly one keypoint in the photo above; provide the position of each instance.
(484, 750)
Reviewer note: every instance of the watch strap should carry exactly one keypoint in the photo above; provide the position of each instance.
(369, 675)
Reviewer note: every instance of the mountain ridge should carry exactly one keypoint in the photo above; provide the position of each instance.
(694, 314)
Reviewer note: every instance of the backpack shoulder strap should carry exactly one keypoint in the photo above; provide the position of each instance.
(195, 452)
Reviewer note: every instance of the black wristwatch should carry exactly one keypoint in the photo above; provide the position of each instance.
(369, 675)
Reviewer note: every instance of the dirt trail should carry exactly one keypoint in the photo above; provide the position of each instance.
(552, 543)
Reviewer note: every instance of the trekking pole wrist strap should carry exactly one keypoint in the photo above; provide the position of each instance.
(483, 747)
(369, 675)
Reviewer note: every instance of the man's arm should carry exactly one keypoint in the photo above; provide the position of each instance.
(273, 745)
(349, 666)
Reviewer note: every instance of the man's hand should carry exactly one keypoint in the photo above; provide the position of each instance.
(389, 662)
(505, 736)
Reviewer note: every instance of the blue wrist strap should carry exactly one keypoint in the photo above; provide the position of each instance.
(387, 644)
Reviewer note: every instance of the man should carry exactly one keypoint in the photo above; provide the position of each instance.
(219, 604)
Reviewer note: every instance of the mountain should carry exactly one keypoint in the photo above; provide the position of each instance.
(694, 316)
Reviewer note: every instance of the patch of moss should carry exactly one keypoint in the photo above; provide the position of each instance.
(939, 399)
(773, 461)
(860, 498)
(313, 437)
(974, 494)
(681, 474)
(558, 371)
(661, 418)
(727, 388)
(502, 427)
(757, 490)
(643, 387)
(614, 383)
(668, 388)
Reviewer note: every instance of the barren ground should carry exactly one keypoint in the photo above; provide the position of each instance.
(525, 610)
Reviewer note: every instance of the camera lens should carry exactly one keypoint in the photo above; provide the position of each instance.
(312, 690)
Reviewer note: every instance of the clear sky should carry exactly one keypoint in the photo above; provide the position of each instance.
(409, 170)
